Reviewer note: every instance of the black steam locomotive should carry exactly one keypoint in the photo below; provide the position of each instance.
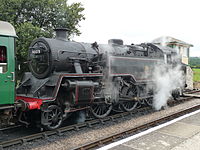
(68, 76)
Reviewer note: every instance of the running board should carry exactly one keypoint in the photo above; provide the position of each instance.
(192, 95)
(134, 98)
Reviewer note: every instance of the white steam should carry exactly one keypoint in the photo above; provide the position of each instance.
(110, 91)
(81, 117)
(166, 79)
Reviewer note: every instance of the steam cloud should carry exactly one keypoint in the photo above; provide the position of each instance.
(81, 117)
(111, 90)
(166, 79)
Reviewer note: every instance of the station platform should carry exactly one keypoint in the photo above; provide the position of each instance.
(182, 133)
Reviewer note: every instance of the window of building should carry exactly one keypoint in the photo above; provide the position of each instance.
(170, 46)
(185, 52)
(3, 59)
(176, 48)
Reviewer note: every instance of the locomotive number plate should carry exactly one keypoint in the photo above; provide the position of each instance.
(36, 51)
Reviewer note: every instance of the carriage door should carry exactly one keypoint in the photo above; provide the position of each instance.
(7, 70)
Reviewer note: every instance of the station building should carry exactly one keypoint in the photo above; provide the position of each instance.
(179, 46)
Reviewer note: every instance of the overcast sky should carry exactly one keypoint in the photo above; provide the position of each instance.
(137, 21)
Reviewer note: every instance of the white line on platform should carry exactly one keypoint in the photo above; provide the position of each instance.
(147, 131)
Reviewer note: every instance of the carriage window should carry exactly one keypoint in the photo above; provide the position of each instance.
(3, 59)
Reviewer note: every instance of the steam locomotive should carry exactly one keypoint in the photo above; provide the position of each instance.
(67, 76)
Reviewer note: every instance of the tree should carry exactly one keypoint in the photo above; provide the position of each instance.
(34, 18)
(194, 62)
(26, 33)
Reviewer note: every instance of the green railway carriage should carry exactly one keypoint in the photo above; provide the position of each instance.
(7, 68)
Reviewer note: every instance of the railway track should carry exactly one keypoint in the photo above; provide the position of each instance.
(10, 127)
(88, 124)
(134, 130)
(76, 127)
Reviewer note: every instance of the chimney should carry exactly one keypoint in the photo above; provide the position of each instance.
(115, 41)
(62, 33)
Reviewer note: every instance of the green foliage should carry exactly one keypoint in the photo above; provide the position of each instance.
(26, 34)
(46, 14)
(194, 62)
(35, 18)
(196, 76)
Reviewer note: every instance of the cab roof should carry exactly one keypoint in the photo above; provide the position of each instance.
(7, 29)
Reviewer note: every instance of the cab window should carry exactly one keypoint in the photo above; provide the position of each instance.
(169, 59)
(3, 59)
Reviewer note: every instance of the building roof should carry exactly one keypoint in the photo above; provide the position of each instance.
(7, 29)
(165, 40)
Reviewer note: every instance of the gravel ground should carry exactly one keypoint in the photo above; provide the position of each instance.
(73, 139)
(16, 133)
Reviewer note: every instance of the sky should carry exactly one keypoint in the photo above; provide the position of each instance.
(137, 21)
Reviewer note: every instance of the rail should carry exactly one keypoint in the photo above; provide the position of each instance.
(76, 127)
(114, 137)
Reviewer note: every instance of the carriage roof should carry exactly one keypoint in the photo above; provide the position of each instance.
(7, 29)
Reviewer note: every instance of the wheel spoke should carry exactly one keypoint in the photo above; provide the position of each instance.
(101, 110)
(55, 117)
(129, 106)
(98, 110)
(56, 112)
(95, 108)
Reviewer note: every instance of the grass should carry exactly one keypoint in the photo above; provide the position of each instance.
(196, 76)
